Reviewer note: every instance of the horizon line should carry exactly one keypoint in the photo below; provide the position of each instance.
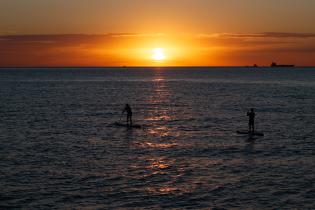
(177, 66)
(266, 34)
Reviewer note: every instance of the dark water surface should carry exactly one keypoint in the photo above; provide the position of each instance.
(60, 149)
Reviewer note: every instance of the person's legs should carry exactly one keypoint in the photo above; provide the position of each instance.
(253, 126)
(129, 120)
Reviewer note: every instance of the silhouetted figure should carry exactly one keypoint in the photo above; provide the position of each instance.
(127, 109)
(251, 122)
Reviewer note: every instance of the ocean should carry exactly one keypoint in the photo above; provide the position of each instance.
(60, 147)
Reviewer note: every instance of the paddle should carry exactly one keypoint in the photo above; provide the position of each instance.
(120, 118)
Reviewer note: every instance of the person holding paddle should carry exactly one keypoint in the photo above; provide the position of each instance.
(251, 126)
(251, 120)
(127, 109)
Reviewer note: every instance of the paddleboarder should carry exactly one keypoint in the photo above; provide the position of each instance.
(127, 109)
(251, 120)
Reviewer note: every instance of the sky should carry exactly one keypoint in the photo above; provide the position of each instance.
(131, 32)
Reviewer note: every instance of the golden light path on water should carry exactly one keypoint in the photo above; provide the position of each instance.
(165, 174)
(161, 166)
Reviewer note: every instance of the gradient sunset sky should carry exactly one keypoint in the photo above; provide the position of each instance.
(131, 32)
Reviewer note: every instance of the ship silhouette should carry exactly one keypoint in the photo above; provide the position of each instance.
(274, 64)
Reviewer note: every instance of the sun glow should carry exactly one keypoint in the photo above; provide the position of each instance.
(158, 54)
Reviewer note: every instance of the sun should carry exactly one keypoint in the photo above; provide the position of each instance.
(158, 54)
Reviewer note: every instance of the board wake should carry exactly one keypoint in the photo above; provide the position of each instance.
(256, 133)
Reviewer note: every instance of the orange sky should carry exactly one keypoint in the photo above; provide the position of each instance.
(137, 49)
(126, 32)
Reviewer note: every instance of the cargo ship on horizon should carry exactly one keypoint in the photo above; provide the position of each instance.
(274, 64)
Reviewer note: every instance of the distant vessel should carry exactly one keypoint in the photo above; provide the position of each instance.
(274, 64)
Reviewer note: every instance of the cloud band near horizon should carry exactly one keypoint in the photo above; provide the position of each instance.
(133, 49)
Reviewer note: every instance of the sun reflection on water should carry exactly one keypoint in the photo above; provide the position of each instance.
(161, 131)
(160, 173)
(160, 112)
(155, 145)
(163, 178)
(157, 164)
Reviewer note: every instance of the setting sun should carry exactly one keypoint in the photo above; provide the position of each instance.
(158, 54)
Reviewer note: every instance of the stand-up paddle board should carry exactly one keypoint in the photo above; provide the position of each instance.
(127, 126)
(256, 133)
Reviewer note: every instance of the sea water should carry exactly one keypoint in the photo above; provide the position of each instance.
(60, 148)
